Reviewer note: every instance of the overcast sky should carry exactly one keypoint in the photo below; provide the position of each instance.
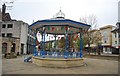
(29, 10)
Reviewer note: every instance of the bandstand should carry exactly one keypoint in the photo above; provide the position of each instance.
(58, 26)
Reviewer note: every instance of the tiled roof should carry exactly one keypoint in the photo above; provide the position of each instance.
(6, 17)
(105, 27)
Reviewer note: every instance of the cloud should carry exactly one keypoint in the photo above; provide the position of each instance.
(29, 10)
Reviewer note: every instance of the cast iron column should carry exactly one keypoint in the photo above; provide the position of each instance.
(55, 41)
(67, 44)
(81, 45)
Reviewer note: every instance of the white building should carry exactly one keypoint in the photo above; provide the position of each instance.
(16, 31)
(116, 34)
(17, 38)
(115, 41)
(106, 38)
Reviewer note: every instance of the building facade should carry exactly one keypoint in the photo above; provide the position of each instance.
(107, 38)
(30, 41)
(116, 34)
(115, 41)
(14, 36)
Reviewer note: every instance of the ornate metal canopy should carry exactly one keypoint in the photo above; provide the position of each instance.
(59, 25)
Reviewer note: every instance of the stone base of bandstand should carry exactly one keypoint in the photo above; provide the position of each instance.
(58, 62)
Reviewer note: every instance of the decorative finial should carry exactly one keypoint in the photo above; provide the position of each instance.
(60, 14)
(60, 8)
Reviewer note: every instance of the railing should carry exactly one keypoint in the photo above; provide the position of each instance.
(45, 54)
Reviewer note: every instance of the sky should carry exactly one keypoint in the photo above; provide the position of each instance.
(106, 11)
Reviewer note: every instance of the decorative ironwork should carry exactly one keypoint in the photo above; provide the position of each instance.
(60, 14)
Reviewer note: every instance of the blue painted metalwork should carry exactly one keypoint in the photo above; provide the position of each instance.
(81, 45)
(41, 24)
(43, 45)
(58, 25)
(40, 27)
(55, 41)
(63, 20)
(67, 45)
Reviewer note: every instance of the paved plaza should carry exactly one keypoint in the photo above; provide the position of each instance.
(94, 66)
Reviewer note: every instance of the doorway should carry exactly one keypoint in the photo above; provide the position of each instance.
(4, 48)
(22, 48)
(13, 47)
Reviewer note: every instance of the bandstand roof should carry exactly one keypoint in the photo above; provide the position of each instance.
(58, 25)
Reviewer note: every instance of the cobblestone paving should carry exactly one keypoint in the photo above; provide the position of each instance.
(94, 66)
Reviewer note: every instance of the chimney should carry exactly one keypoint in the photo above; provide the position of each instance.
(3, 9)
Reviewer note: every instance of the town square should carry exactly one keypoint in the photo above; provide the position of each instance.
(35, 43)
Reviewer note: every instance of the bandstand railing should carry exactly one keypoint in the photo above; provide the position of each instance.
(45, 54)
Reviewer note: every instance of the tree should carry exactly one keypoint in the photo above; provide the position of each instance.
(97, 40)
(85, 38)
(90, 20)
(71, 39)
(62, 43)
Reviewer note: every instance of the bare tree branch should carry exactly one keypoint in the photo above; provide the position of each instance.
(91, 20)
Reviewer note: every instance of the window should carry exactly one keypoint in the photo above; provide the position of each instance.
(105, 41)
(10, 26)
(115, 34)
(115, 42)
(9, 34)
(3, 34)
(3, 25)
